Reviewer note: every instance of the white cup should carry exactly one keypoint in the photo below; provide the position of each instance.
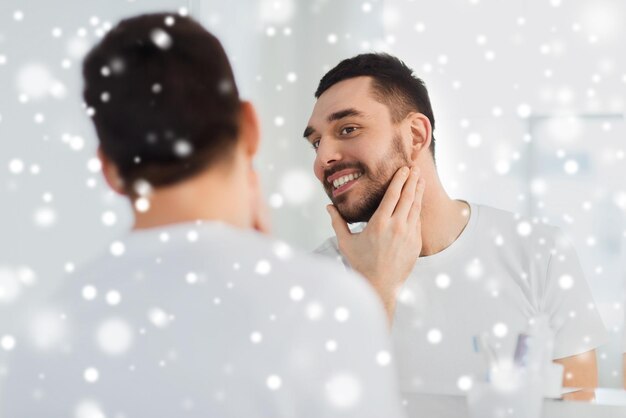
(511, 393)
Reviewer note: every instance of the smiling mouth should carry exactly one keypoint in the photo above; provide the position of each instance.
(344, 183)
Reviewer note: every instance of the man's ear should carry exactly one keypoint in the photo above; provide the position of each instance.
(421, 134)
(111, 174)
(249, 128)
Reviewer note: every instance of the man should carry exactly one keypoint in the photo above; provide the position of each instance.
(193, 313)
(480, 270)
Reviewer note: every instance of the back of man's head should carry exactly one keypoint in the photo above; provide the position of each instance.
(164, 100)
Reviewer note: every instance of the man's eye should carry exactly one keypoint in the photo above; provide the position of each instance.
(315, 144)
(348, 130)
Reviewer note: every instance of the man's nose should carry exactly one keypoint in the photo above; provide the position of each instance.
(328, 153)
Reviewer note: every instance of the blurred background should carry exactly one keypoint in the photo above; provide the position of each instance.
(528, 97)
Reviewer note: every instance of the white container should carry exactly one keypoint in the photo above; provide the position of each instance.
(511, 393)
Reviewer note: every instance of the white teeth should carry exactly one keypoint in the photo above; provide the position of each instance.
(344, 179)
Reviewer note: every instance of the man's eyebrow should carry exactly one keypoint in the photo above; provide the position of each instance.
(308, 131)
(334, 117)
(343, 114)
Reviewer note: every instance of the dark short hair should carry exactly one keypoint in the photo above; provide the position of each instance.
(394, 85)
(163, 98)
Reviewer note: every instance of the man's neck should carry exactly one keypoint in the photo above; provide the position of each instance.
(208, 196)
(443, 219)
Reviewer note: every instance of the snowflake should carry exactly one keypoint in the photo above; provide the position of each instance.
(256, 337)
(342, 314)
(114, 336)
(91, 375)
(434, 336)
(464, 383)
(442, 281)
(113, 297)
(343, 390)
(296, 293)
(263, 267)
(117, 248)
(383, 358)
(159, 318)
(274, 382)
(500, 330)
(161, 38)
(7, 342)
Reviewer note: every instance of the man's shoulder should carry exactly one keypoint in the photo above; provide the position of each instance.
(217, 255)
(516, 224)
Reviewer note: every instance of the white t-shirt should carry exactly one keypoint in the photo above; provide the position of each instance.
(499, 273)
(204, 321)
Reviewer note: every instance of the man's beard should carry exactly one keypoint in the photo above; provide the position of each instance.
(374, 184)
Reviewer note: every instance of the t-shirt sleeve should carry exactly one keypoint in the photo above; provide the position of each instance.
(330, 250)
(569, 302)
(341, 357)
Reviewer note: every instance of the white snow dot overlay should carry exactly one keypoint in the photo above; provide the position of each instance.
(343, 390)
(383, 358)
(566, 282)
(161, 38)
(256, 337)
(158, 317)
(113, 297)
(274, 382)
(442, 281)
(263, 267)
(117, 248)
(88, 409)
(296, 293)
(114, 336)
(524, 229)
(89, 292)
(314, 311)
(91, 375)
(465, 383)
(500, 330)
(342, 314)
(434, 336)
(8, 342)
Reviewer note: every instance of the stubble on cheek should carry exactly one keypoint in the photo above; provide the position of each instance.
(361, 202)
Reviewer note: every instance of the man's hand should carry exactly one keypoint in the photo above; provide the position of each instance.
(388, 247)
